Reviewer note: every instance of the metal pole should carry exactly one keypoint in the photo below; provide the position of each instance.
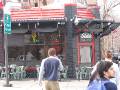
(6, 61)
(6, 58)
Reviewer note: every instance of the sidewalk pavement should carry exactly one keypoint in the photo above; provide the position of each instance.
(32, 84)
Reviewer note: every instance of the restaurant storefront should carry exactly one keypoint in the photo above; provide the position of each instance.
(73, 31)
(38, 31)
(29, 47)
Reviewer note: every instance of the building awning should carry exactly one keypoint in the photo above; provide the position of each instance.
(36, 14)
(42, 26)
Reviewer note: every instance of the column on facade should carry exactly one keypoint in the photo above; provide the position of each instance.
(70, 12)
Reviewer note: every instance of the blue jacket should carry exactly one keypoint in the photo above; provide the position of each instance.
(49, 68)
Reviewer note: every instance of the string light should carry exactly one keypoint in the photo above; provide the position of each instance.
(19, 24)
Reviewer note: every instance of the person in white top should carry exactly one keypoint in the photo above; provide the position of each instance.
(108, 57)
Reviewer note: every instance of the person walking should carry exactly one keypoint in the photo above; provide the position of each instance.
(108, 57)
(105, 70)
(49, 70)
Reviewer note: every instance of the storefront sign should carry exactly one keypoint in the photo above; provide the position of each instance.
(85, 37)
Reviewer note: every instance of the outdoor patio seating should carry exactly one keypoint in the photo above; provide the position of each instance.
(19, 73)
(83, 73)
(11, 72)
(63, 74)
(3, 74)
(31, 72)
(89, 69)
(23, 72)
(77, 71)
(38, 69)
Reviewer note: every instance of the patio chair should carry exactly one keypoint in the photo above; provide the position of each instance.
(77, 72)
(23, 72)
(89, 69)
(83, 73)
(38, 69)
(3, 74)
(12, 73)
(64, 72)
(18, 74)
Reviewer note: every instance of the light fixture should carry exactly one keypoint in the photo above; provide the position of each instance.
(58, 23)
(19, 24)
(35, 26)
(109, 23)
(38, 23)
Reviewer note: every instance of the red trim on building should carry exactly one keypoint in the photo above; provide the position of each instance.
(78, 50)
(92, 44)
(93, 50)
(1, 5)
(70, 4)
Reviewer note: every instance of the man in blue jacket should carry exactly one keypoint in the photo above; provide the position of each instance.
(49, 70)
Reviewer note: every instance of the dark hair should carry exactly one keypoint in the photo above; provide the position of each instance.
(99, 72)
(103, 66)
(93, 76)
(51, 52)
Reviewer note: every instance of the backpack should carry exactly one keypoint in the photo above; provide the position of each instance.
(97, 85)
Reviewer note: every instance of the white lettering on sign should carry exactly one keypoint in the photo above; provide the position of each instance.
(85, 35)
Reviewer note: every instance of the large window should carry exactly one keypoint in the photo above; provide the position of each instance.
(44, 38)
(85, 54)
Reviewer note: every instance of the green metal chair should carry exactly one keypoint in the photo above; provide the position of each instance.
(89, 69)
(77, 71)
(83, 73)
(12, 71)
(64, 72)
(38, 69)
(3, 74)
(18, 73)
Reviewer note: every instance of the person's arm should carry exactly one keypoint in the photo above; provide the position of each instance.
(94, 68)
(41, 73)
